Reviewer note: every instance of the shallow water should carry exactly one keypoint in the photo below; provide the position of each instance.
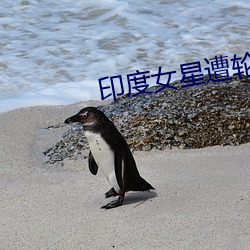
(54, 52)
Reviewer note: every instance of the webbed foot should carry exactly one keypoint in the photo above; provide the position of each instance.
(113, 204)
(111, 193)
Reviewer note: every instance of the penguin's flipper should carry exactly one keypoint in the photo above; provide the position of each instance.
(118, 166)
(93, 167)
(111, 193)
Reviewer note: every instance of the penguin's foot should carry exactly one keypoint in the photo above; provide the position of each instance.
(111, 193)
(113, 204)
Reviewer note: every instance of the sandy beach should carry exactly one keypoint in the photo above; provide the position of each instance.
(201, 198)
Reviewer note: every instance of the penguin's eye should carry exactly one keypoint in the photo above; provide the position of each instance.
(84, 115)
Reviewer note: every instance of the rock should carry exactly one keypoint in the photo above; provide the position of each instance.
(193, 117)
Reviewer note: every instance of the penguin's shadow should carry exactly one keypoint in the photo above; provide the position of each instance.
(137, 198)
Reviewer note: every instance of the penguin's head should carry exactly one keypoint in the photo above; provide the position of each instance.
(88, 117)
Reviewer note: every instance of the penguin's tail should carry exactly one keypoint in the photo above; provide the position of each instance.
(141, 185)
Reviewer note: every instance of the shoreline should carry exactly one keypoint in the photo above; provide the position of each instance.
(201, 198)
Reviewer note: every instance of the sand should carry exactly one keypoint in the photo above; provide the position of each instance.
(201, 200)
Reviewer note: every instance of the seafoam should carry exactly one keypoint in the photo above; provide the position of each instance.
(54, 52)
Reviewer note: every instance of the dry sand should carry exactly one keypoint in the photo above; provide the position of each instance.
(201, 201)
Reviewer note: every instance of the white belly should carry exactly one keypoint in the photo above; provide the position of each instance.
(104, 157)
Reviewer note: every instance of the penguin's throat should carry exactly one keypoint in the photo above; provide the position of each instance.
(87, 124)
(93, 126)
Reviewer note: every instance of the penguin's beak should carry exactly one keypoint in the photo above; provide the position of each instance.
(74, 118)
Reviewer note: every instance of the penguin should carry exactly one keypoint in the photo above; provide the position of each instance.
(110, 152)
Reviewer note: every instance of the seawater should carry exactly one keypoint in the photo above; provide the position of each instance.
(54, 52)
